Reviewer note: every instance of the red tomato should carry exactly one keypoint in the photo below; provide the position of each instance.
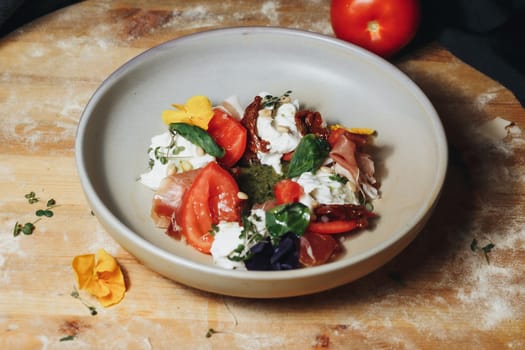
(333, 227)
(212, 197)
(287, 191)
(380, 26)
(230, 134)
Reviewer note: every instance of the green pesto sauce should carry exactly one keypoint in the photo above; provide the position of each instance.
(257, 181)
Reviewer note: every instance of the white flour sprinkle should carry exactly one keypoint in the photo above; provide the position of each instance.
(269, 9)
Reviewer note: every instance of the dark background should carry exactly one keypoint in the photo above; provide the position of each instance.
(487, 34)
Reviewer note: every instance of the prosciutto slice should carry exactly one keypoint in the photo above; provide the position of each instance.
(167, 200)
(353, 164)
(344, 154)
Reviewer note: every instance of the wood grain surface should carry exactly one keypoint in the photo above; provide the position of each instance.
(437, 294)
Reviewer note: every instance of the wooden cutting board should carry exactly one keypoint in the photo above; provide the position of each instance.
(436, 294)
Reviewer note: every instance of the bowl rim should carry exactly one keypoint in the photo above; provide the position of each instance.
(123, 232)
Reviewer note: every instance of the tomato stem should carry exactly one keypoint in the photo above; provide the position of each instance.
(373, 28)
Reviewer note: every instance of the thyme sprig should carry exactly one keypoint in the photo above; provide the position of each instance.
(249, 235)
(92, 309)
(29, 227)
(164, 153)
(275, 102)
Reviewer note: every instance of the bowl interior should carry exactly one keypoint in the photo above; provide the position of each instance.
(346, 84)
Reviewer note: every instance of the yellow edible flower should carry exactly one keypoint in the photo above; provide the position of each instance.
(197, 111)
(101, 277)
(361, 131)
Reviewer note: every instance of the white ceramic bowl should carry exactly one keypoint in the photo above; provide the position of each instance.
(346, 84)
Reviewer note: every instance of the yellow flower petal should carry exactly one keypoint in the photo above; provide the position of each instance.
(198, 106)
(102, 278)
(181, 108)
(83, 266)
(105, 262)
(361, 131)
(170, 116)
(197, 111)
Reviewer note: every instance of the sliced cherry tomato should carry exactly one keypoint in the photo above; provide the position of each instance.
(287, 191)
(381, 26)
(213, 197)
(288, 156)
(230, 134)
(316, 249)
(333, 227)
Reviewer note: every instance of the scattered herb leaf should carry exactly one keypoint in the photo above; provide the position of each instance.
(67, 338)
(29, 227)
(93, 311)
(486, 249)
(211, 332)
(31, 197)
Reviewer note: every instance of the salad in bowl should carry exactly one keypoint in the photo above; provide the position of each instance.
(268, 187)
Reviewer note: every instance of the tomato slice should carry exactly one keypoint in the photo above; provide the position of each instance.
(333, 227)
(230, 134)
(287, 191)
(213, 197)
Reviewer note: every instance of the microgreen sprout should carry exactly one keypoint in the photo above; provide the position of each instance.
(75, 294)
(29, 227)
(31, 197)
(274, 102)
(211, 332)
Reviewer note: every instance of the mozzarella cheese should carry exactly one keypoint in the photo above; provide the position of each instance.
(180, 153)
(280, 131)
(323, 188)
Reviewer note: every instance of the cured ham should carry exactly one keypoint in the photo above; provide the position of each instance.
(353, 164)
(167, 200)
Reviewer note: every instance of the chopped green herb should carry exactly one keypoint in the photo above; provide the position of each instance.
(177, 150)
(338, 178)
(51, 203)
(274, 102)
(211, 332)
(67, 338)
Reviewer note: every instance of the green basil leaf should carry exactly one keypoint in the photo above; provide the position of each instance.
(309, 155)
(199, 137)
(284, 218)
